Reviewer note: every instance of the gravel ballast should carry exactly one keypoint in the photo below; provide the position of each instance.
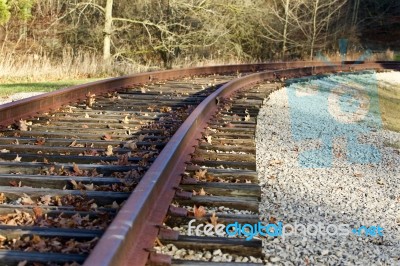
(345, 192)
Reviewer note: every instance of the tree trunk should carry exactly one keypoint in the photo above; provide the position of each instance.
(285, 29)
(355, 12)
(328, 21)
(107, 31)
(314, 29)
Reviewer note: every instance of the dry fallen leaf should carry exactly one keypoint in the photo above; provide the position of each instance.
(40, 141)
(275, 162)
(45, 200)
(165, 109)
(2, 198)
(214, 219)
(74, 184)
(123, 159)
(26, 200)
(4, 151)
(90, 99)
(272, 220)
(130, 145)
(36, 239)
(38, 212)
(247, 118)
(72, 144)
(13, 183)
(23, 125)
(141, 137)
(132, 176)
(158, 242)
(17, 159)
(202, 192)
(22, 263)
(208, 139)
(235, 117)
(109, 151)
(106, 137)
(152, 107)
(200, 173)
(125, 120)
(199, 212)
(89, 187)
(76, 169)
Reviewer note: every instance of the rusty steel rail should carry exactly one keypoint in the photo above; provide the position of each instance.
(130, 237)
(26, 108)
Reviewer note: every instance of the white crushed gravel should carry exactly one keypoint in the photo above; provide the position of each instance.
(219, 209)
(213, 256)
(349, 193)
(18, 96)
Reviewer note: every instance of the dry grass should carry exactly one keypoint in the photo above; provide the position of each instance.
(80, 65)
(201, 61)
(387, 55)
(34, 73)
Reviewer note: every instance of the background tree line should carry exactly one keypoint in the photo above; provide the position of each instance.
(179, 32)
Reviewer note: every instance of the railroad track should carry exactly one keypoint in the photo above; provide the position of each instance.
(219, 186)
(66, 174)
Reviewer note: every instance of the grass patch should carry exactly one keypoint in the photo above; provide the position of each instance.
(8, 89)
(389, 101)
(395, 145)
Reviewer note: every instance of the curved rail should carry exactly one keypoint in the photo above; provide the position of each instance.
(129, 238)
(12, 112)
